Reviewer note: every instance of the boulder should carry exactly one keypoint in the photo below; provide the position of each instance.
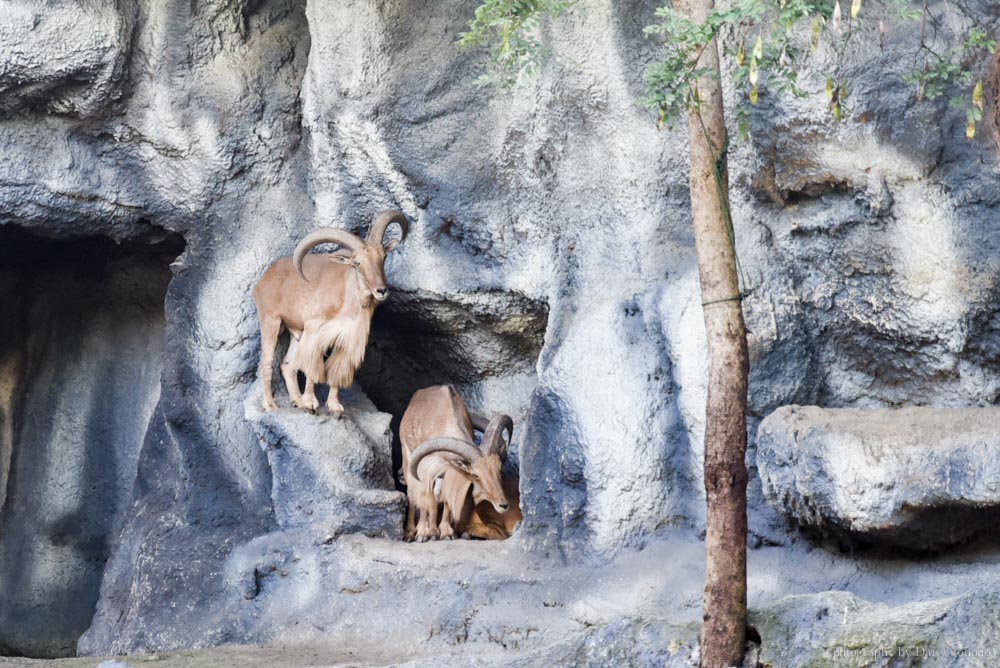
(335, 474)
(917, 478)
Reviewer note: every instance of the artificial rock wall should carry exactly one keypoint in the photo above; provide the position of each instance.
(550, 228)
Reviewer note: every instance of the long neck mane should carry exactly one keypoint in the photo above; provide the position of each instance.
(348, 341)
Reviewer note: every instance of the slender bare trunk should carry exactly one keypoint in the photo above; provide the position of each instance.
(725, 602)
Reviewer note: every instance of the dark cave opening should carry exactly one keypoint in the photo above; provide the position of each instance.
(485, 343)
(81, 346)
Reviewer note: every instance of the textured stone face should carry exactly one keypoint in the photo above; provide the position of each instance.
(550, 247)
(839, 629)
(66, 58)
(914, 477)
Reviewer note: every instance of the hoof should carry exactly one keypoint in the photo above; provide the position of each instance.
(310, 404)
(421, 539)
(269, 405)
(336, 411)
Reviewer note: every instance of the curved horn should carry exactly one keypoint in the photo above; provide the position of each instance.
(382, 223)
(479, 422)
(493, 442)
(443, 444)
(324, 235)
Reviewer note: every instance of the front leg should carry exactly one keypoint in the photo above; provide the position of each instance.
(426, 529)
(308, 399)
(445, 529)
(333, 402)
(309, 362)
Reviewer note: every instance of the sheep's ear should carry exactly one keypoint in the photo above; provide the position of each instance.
(463, 466)
(342, 259)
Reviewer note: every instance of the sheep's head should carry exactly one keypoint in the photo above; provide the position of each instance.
(484, 474)
(369, 262)
(482, 466)
(366, 256)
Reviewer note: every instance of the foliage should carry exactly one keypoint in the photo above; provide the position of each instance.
(510, 28)
(941, 71)
(670, 83)
(767, 42)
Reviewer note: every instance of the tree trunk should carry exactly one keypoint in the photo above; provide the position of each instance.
(725, 601)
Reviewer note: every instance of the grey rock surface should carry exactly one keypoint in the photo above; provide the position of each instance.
(836, 628)
(920, 478)
(550, 247)
(329, 473)
(66, 58)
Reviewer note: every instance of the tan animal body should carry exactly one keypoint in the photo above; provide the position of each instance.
(325, 301)
(443, 467)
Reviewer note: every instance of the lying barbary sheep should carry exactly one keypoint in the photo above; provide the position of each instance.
(326, 302)
(442, 466)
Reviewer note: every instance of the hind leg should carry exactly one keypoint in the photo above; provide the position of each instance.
(411, 521)
(290, 373)
(270, 328)
(311, 365)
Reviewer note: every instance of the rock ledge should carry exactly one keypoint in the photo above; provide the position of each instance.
(918, 478)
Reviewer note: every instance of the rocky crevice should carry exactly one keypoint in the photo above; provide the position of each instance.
(81, 348)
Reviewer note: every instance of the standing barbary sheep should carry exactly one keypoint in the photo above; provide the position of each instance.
(326, 302)
(441, 464)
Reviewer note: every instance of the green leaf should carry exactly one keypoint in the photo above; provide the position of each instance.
(743, 131)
